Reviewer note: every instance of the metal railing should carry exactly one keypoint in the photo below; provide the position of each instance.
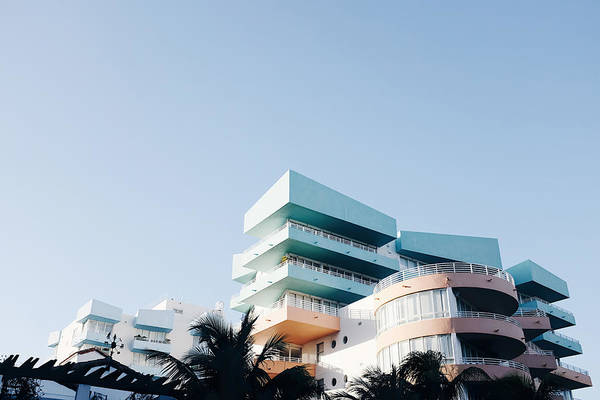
(332, 236)
(534, 312)
(539, 352)
(562, 335)
(495, 361)
(327, 269)
(306, 305)
(357, 314)
(573, 368)
(315, 231)
(487, 315)
(146, 339)
(442, 268)
(524, 299)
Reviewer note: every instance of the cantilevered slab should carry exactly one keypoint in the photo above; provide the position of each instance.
(294, 196)
(535, 280)
(437, 247)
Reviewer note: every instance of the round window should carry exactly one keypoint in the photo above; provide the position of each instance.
(333, 344)
(333, 382)
(345, 378)
(345, 339)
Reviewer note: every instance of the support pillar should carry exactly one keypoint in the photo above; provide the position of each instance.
(83, 392)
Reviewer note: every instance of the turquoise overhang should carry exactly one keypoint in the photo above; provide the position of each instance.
(268, 289)
(559, 318)
(290, 240)
(437, 247)
(535, 280)
(294, 196)
(561, 345)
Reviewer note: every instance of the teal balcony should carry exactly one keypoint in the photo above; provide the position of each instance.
(437, 248)
(559, 317)
(328, 247)
(561, 345)
(53, 338)
(241, 274)
(534, 280)
(322, 281)
(297, 197)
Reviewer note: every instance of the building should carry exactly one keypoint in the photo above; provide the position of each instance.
(348, 291)
(163, 327)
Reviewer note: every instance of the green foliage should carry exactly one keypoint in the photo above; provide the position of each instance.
(224, 367)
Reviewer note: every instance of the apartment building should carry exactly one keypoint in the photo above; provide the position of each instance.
(350, 291)
(163, 327)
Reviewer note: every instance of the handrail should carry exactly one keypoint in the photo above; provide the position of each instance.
(349, 275)
(524, 299)
(442, 268)
(534, 312)
(539, 352)
(562, 335)
(305, 305)
(315, 231)
(495, 361)
(488, 315)
(573, 368)
(286, 358)
(332, 236)
(356, 314)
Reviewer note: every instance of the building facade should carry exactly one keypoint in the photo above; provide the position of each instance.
(163, 327)
(349, 292)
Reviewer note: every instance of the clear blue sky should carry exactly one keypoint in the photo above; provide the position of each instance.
(134, 135)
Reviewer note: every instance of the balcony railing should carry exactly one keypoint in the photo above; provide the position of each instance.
(287, 359)
(315, 231)
(332, 236)
(495, 361)
(487, 315)
(145, 339)
(521, 312)
(357, 314)
(442, 268)
(306, 305)
(329, 270)
(573, 368)
(566, 337)
(523, 299)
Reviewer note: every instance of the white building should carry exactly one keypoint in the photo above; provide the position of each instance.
(164, 327)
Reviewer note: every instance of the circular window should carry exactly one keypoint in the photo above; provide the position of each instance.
(345, 339)
(345, 378)
(360, 323)
(333, 344)
(333, 382)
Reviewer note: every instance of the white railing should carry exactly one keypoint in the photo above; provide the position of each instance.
(539, 352)
(565, 337)
(529, 313)
(327, 269)
(523, 299)
(495, 361)
(287, 358)
(250, 282)
(442, 268)
(573, 368)
(487, 315)
(357, 314)
(332, 236)
(306, 305)
(145, 339)
(315, 231)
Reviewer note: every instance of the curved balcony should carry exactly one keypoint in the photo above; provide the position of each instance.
(278, 364)
(490, 288)
(539, 361)
(499, 333)
(534, 322)
(494, 367)
(571, 377)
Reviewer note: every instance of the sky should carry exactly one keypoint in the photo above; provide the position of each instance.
(134, 136)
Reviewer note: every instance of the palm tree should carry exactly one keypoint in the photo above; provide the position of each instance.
(375, 384)
(223, 365)
(429, 379)
(519, 387)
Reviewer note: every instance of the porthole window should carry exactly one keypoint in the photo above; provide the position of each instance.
(333, 382)
(345, 378)
(333, 344)
(345, 339)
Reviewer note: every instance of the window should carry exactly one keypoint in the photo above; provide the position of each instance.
(333, 382)
(320, 350)
(333, 344)
(345, 340)
(395, 353)
(151, 336)
(413, 307)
